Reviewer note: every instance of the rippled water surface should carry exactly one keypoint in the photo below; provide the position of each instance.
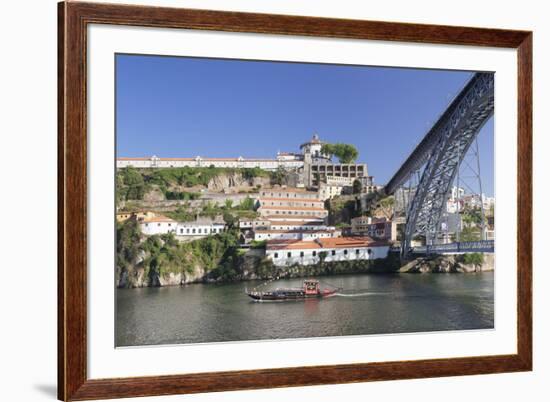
(369, 304)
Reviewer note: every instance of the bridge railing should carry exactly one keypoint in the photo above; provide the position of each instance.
(480, 246)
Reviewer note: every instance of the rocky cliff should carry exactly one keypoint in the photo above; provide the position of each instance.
(234, 182)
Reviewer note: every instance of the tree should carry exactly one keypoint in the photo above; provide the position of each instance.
(278, 177)
(386, 206)
(472, 216)
(247, 204)
(229, 219)
(346, 153)
(357, 187)
(134, 183)
(473, 259)
(322, 257)
(228, 203)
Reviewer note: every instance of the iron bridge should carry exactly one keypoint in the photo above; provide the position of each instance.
(438, 156)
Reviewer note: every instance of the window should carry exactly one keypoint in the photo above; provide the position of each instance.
(187, 231)
(200, 230)
(289, 255)
(345, 252)
(357, 251)
(333, 252)
(181, 231)
(158, 224)
(194, 230)
(276, 255)
(169, 224)
(314, 253)
(301, 253)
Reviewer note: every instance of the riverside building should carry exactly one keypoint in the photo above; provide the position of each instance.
(302, 252)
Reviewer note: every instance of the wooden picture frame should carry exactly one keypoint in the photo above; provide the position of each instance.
(73, 382)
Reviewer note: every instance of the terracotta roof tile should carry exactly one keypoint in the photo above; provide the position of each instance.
(327, 243)
(276, 207)
(158, 218)
(292, 199)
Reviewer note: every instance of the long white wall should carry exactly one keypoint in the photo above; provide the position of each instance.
(181, 228)
(311, 256)
(168, 163)
(155, 228)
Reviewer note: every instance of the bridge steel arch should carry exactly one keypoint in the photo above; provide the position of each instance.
(442, 151)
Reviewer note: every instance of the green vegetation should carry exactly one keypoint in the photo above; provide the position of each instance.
(159, 255)
(386, 206)
(471, 219)
(229, 219)
(470, 233)
(357, 187)
(472, 259)
(251, 173)
(181, 214)
(195, 176)
(128, 244)
(346, 153)
(246, 205)
(133, 184)
(258, 244)
(322, 257)
(342, 209)
(278, 177)
(472, 216)
(181, 195)
(130, 185)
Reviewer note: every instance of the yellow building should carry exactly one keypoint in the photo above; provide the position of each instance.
(139, 215)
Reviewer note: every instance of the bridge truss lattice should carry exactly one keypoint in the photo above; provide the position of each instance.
(440, 154)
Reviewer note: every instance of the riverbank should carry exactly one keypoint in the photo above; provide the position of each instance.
(161, 260)
(244, 266)
(460, 263)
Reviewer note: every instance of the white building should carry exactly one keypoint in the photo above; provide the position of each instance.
(291, 202)
(339, 181)
(285, 202)
(488, 202)
(328, 191)
(250, 224)
(156, 225)
(198, 161)
(298, 225)
(289, 252)
(274, 219)
(309, 235)
(199, 228)
(288, 193)
(285, 212)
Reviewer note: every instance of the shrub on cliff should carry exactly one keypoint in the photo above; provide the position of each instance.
(472, 259)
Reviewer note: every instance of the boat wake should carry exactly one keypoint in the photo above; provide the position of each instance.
(362, 294)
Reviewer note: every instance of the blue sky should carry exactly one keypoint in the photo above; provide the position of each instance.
(184, 107)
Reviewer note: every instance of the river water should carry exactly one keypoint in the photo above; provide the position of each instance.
(369, 304)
